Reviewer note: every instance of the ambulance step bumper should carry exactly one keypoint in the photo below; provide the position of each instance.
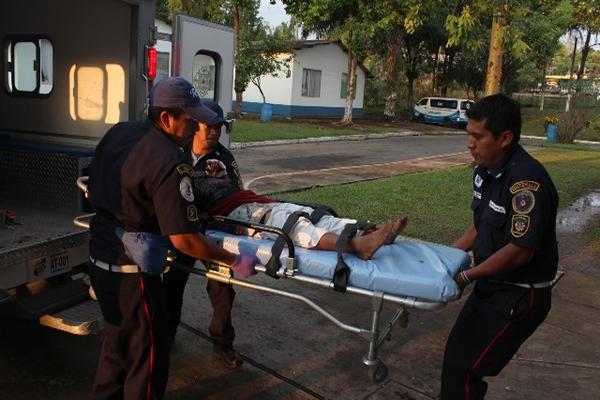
(83, 319)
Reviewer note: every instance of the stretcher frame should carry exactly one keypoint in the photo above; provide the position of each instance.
(375, 334)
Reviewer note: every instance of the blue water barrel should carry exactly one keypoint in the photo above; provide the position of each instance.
(551, 133)
(266, 112)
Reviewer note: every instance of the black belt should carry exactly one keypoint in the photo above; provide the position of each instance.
(536, 285)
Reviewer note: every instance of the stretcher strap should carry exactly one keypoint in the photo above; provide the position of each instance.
(274, 264)
(342, 271)
(318, 213)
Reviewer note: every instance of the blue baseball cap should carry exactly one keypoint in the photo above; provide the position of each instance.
(176, 92)
(215, 107)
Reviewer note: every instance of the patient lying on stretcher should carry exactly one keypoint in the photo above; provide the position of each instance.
(222, 198)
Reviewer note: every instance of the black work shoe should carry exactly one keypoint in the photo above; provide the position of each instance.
(229, 357)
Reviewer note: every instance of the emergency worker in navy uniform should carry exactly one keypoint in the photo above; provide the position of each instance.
(140, 187)
(205, 152)
(513, 238)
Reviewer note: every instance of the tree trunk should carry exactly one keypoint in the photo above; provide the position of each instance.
(584, 53)
(494, 65)
(434, 70)
(410, 94)
(351, 88)
(238, 85)
(543, 91)
(391, 74)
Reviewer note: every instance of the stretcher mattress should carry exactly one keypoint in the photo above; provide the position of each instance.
(421, 270)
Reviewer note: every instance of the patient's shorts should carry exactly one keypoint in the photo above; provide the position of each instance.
(304, 233)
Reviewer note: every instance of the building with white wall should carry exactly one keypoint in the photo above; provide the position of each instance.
(316, 85)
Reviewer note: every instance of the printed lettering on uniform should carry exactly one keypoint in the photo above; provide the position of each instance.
(520, 225)
(185, 169)
(524, 185)
(523, 202)
(192, 213)
(478, 181)
(477, 194)
(496, 207)
(234, 164)
(185, 188)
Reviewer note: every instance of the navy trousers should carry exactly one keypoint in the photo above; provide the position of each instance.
(496, 319)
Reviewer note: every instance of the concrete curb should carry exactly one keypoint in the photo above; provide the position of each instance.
(242, 145)
(575, 141)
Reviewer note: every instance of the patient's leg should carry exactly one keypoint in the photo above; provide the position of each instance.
(366, 245)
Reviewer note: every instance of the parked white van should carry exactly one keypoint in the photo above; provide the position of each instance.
(442, 111)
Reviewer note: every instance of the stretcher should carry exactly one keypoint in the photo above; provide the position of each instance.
(411, 275)
(408, 274)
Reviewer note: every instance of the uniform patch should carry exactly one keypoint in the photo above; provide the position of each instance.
(185, 169)
(524, 185)
(478, 181)
(234, 164)
(185, 187)
(523, 202)
(520, 225)
(192, 213)
(476, 194)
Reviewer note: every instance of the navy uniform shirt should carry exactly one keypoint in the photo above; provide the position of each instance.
(139, 180)
(517, 203)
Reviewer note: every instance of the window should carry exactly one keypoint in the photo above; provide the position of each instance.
(423, 102)
(29, 67)
(162, 66)
(204, 75)
(441, 103)
(344, 87)
(311, 82)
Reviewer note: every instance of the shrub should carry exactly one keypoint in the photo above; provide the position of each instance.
(570, 124)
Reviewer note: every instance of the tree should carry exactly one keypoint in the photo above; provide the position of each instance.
(272, 55)
(346, 20)
(505, 34)
(586, 19)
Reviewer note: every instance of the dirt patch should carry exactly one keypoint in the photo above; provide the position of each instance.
(576, 252)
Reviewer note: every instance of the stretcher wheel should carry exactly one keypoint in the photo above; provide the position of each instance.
(378, 372)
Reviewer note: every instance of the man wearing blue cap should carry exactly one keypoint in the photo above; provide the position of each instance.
(205, 152)
(141, 189)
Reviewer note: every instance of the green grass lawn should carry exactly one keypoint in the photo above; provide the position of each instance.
(533, 122)
(437, 203)
(252, 130)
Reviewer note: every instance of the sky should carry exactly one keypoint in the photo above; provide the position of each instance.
(273, 14)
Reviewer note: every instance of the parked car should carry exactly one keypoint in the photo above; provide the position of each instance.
(442, 111)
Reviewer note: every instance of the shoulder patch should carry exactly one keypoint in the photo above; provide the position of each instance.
(185, 169)
(524, 185)
(185, 188)
(192, 213)
(520, 225)
(234, 164)
(523, 202)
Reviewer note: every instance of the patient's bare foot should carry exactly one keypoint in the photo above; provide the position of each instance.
(397, 227)
(366, 245)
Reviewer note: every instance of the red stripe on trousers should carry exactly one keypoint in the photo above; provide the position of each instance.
(149, 319)
(489, 346)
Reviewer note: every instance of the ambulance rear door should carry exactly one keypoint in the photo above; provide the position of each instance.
(203, 54)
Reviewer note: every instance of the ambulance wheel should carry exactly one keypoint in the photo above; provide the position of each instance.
(378, 372)
(448, 123)
(421, 119)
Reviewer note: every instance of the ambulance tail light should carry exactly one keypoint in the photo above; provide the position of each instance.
(151, 60)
